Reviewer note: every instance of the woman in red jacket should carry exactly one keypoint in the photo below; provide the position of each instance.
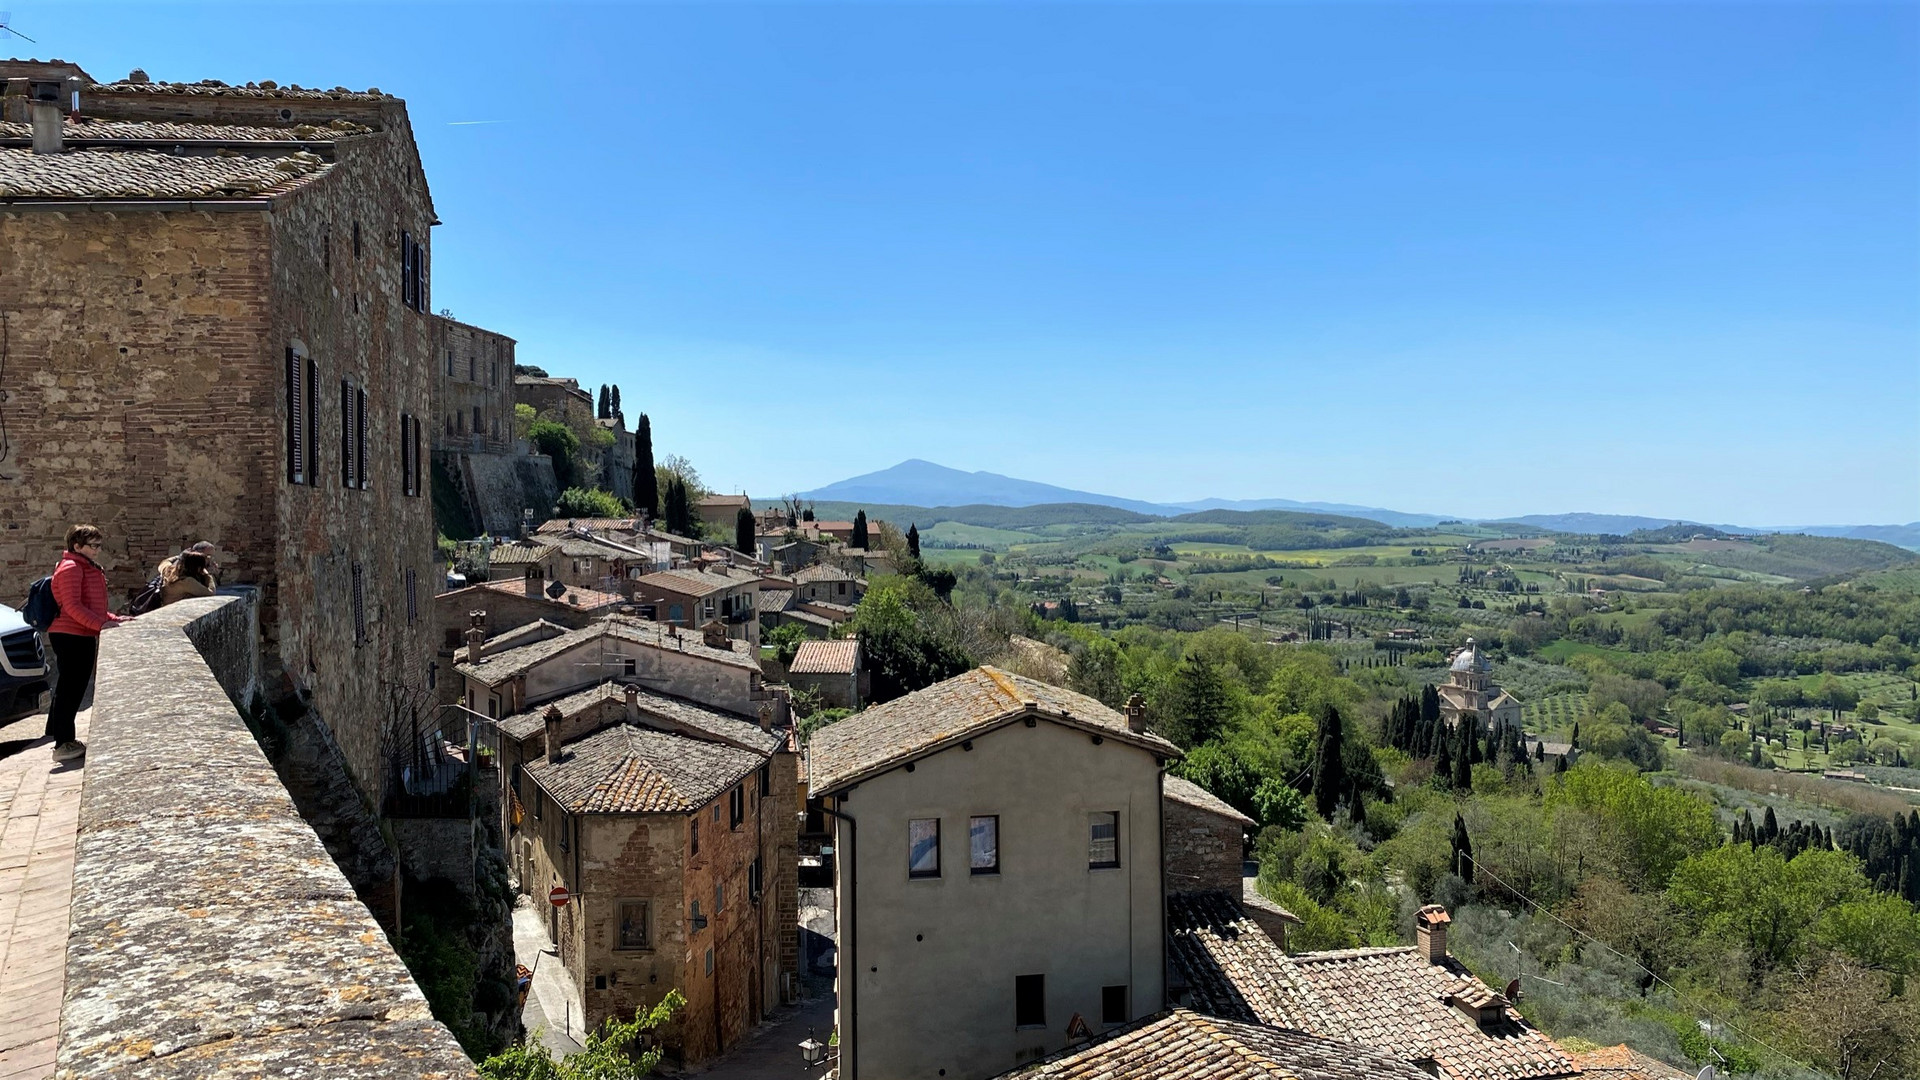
(80, 587)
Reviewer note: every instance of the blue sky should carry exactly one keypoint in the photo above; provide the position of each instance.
(1482, 259)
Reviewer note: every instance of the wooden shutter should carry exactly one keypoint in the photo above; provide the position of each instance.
(359, 604)
(406, 454)
(419, 465)
(413, 606)
(360, 439)
(406, 268)
(313, 423)
(296, 433)
(346, 434)
(420, 278)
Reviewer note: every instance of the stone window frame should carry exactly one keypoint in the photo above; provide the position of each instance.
(974, 866)
(620, 925)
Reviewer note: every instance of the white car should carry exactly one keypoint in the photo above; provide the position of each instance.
(23, 668)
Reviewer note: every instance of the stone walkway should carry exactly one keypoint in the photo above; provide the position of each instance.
(553, 1006)
(39, 819)
(773, 1051)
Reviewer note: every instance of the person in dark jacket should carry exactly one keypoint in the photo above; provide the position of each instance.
(80, 587)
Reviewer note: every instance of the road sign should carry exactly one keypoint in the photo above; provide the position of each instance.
(559, 896)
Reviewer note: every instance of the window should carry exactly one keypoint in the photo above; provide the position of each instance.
(983, 844)
(736, 806)
(347, 430)
(312, 460)
(923, 848)
(449, 363)
(409, 454)
(360, 438)
(356, 239)
(479, 425)
(719, 897)
(459, 423)
(709, 959)
(1103, 839)
(766, 779)
(359, 605)
(297, 432)
(453, 642)
(472, 372)
(1029, 1001)
(694, 834)
(633, 666)
(1113, 1004)
(716, 812)
(413, 273)
(754, 881)
(413, 603)
(842, 588)
(633, 925)
(493, 372)
(565, 839)
(419, 466)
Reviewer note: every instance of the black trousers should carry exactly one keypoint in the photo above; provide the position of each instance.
(76, 654)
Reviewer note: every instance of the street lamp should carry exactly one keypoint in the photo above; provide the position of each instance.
(813, 1052)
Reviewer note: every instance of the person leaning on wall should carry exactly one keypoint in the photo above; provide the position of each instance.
(80, 587)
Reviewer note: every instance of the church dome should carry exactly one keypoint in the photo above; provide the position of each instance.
(1469, 659)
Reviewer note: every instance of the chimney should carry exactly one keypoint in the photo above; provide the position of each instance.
(533, 582)
(633, 703)
(553, 718)
(715, 635)
(766, 715)
(1430, 932)
(476, 636)
(1136, 714)
(48, 128)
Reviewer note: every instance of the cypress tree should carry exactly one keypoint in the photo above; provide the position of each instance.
(601, 406)
(679, 514)
(613, 402)
(1329, 767)
(1770, 827)
(1559, 763)
(1463, 755)
(1443, 763)
(913, 540)
(1462, 850)
(646, 484)
(1429, 705)
(743, 531)
(1574, 742)
(860, 529)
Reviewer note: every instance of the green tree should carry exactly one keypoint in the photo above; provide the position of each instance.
(1199, 702)
(678, 514)
(1637, 830)
(1462, 846)
(600, 405)
(613, 402)
(743, 531)
(589, 503)
(785, 640)
(1330, 780)
(607, 1054)
(646, 484)
(558, 442)
(913, 541)
(859, 529)
(1758, 899)
(904, 652)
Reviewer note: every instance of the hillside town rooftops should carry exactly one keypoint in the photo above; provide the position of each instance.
(926, 721)
(153, 174)
(826, 658)
(703, 721)
(572, 596)
(498, 668)
(1184, 1045)
(630, 770)
(521, 553)
(822, 572)
(1228, 966)
(565, 525)
(1192, 794)
(177, 133)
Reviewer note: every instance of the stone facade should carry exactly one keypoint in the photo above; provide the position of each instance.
(1204, 844)
(150, 345)
(475, 385)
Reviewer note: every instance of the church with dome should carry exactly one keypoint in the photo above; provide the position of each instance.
(1470, 689)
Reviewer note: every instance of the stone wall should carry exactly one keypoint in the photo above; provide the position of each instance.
(496, 487)
(474, 371)
(1202, 849)
(211, 934)
(436, 848)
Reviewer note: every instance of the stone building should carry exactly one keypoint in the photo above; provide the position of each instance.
(1470, 689)
(998, 859)
(618, 464)
(475, 388)
(833, 669)
(1203, 840)
(217, 327)
(562, 399)
(1184, 1043)
(720, 513)
(696, 598)
(504, 606)
(830, 584)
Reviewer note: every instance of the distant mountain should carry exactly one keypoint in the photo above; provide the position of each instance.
(1397, 518)
(1906, 536)
(923, 483)
(1603, 524)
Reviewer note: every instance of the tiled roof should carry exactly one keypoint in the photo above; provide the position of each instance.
(630, 770)
(1393, 1000)
(1623, 1062)
(573, 597)
(518, 554)
(153, 174)
(772, 599)
(498, 668)
(822, 572)
(725, 501)
(1250, 897)
(561, 525)
(826, 658)
(1192, 794)
(1184, 1045)
(595, 547)
(948, 712)
(694, 582)
(216, 88)
(700, 721)
(177, 131)
(1231, 968)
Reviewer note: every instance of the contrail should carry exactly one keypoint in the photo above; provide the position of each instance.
(466, 123)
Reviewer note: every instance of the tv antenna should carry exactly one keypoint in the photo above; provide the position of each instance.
(6, 27)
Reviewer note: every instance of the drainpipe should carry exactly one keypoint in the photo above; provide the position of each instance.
(848, 1059)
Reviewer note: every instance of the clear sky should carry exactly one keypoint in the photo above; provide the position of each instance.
(1483, 259)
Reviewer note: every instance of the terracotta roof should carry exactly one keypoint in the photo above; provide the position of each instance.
(696, 582)
(1251, 897)
(724, 501)
(687, 717)
(178, 131)
(1184, 1045)
(772, 599)
(595, 547)
(826, 658)
(1623, 1062)
(498, 668)
(630, 770)
(1192, 794)
(823, 572)
(153, 174)
(1231, 968)
(560, 525)
(966, 705)
(216, 88)
(520, 554)
(573, 597)
(1393, 1000)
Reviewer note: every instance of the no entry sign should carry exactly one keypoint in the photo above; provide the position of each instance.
(559, 896)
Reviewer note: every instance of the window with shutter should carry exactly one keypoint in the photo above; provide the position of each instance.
(406, 454)
(312, 463)
(419, 468)
(360, 439)
(359, 605)
(413, 604)
(346, 434)
(406, 268)
(420, 278)
(296, 420)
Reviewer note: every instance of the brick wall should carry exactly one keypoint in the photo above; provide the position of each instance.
(1202, 849)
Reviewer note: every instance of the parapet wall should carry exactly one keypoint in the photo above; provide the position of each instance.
(211, 934)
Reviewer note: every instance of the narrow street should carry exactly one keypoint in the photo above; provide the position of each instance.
(553, 1008)
(773, 1050)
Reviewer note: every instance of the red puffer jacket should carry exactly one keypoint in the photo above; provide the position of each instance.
(81, 588)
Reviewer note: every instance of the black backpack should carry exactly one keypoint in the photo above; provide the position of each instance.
(146, 599)
(41, 608)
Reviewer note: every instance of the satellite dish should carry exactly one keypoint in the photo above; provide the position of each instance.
(1706, 1074)
(1513, 992)
(556, 590)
